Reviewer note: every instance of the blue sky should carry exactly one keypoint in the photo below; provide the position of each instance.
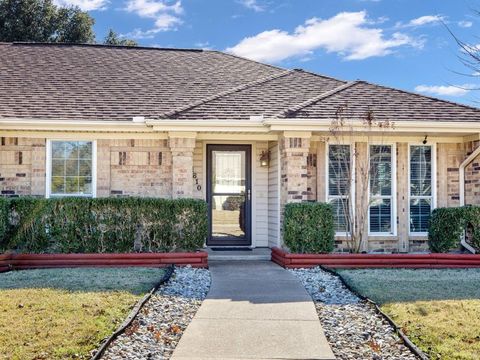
(399, 43)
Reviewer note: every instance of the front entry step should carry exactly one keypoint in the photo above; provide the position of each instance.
(255, 254)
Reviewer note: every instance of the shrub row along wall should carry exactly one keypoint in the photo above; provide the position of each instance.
(104, 225)
(309, 227)
(447, 225)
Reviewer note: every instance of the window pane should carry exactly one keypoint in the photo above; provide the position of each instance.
(381, 216)
(228, 216)
(228, 171)
(71, 169)
(338, 169)
(420, 210)
(85, 150)
(58, 185)
(340, 211)
(58, 167)
(380, 170)
(420, 170)
(58, 150)
(85, 184)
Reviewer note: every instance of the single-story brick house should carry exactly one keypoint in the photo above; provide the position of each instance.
(89, 120)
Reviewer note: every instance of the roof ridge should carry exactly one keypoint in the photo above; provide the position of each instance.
(174, 112)
(320, 75)
(293, 109)
(421, 95)
(246, 59)
(33, 43)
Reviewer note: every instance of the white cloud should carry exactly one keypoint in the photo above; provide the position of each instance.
(444, 90)
(421, 21)
(253, 5)
(348, 34)
(166, 15)
(465, 24)
(85, 5)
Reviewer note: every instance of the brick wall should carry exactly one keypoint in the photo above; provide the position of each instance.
(472, 176)
(134, 168)
(22, 166)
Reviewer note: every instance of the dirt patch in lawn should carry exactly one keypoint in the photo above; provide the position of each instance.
(439, 310)
(66, 313)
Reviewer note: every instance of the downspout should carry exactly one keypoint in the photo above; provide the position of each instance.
(463, 165)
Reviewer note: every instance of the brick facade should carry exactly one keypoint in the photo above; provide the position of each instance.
(174, 167)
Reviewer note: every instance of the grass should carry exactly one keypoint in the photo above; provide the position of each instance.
(438, 309)
(66, 313)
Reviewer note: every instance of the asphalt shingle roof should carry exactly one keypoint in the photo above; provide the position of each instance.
(385, 103)
(93, 82)
(113, 83)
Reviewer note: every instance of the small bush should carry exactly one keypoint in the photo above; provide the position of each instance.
(309, 228)
(106, 225)
(448, 224)
(445, 229)
(3, 220)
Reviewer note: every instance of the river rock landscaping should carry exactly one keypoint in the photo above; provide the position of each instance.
(352, 326)
(158, 327)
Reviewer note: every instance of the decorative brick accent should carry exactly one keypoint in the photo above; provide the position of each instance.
(140, 167)
(293, 169)
(182, 148)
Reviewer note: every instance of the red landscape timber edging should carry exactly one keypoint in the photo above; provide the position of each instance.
(36, 261)
(5, 262)
(291, 261)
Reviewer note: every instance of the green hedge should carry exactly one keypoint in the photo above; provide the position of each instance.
(448, 224)
(105, 225)
(3, 218)
(309, 228)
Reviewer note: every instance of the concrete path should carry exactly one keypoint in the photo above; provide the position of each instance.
(254, 310)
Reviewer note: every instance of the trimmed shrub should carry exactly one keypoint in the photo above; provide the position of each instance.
(309, 228)
(106, 225)
(448, 224)
(445, 228)
(3, 220)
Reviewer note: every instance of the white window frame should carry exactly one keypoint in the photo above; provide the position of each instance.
(392, 197)
(352, 180)
(433, 196)
(48, 169)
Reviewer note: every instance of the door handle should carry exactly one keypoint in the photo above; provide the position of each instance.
(248, 194)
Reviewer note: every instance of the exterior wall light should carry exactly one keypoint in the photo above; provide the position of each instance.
(264, 158)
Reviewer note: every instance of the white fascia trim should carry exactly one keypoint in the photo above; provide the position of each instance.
(223, 125)
(355, 124)
(72, 125)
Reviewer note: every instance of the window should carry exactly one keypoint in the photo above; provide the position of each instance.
(338, 192)
(380, 216)
(421, 190)
(70, 168)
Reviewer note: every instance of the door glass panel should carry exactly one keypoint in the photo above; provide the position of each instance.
(228, 216)
(228, 172)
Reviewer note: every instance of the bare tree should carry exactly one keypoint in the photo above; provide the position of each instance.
(356, 175)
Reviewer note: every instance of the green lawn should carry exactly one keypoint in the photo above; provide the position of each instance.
(65, 313)
(438, 309)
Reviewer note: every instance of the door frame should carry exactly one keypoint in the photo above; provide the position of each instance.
(248, 186)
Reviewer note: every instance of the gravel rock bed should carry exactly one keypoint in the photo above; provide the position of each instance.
(352, 326)
(160, 324)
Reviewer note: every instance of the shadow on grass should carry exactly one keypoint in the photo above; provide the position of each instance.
(128, 279)
(407, 285)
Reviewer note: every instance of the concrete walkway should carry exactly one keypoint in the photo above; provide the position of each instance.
(254, 310)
